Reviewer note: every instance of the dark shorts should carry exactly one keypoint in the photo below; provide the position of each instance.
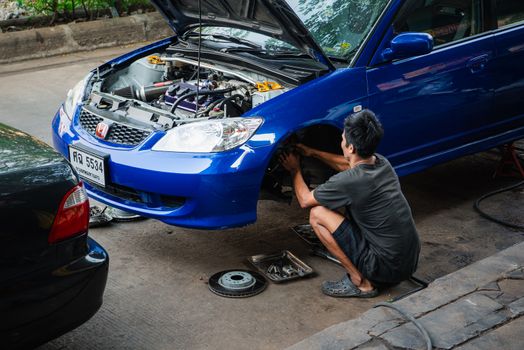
(349, 238)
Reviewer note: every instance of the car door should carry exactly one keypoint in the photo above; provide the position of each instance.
(509, 65)
(436, 102)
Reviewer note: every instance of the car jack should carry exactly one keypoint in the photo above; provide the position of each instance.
(509, 159)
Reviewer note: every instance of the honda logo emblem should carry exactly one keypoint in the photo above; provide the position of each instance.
(101, 130)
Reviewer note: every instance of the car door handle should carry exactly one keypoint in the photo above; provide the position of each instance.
(477, 64)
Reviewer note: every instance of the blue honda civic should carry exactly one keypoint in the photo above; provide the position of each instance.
(188, 130)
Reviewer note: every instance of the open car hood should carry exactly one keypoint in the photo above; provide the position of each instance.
(273, 18)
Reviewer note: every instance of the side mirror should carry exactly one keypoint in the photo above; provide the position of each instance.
(408, 45)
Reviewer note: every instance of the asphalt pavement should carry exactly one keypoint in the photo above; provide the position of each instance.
(157, 295)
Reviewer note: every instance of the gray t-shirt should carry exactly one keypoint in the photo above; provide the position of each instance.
(374, 202)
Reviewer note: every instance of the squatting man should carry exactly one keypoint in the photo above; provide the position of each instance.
(376, 241)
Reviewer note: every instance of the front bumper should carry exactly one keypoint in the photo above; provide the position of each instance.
(206, 191)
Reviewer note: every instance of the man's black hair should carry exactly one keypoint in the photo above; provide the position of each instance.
(364, 132)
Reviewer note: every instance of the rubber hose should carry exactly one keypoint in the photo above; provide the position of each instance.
(491, 218)
(211, 106)
(230, 98)
(421, 329)
(218, 102)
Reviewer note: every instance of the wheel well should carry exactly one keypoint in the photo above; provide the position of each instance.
(323, 137)
(277, 180)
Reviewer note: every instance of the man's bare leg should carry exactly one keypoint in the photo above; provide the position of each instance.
(324, 222)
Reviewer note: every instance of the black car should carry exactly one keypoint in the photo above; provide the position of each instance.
(52, 275)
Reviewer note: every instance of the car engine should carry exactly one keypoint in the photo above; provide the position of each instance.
(164, 91)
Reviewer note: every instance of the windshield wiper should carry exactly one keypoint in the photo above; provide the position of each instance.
(338, 59)
(229, 38)
(272, 53)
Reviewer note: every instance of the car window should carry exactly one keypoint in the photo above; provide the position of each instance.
(445, 20)
(509, 12)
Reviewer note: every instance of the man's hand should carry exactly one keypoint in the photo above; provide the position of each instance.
(304, 150)
(291, 162)
(305, 197)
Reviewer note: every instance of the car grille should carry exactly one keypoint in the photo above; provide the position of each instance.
(132, 195)
(120, 192)
(118, 133)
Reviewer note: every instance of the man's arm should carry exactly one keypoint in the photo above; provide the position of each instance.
(335, 161)
(304, 195)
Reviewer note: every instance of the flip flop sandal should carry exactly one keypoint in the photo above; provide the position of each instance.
(346, 289)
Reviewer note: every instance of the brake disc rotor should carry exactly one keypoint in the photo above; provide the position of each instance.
(237, 283)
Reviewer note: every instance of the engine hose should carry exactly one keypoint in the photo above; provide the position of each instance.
(211, 106)
(201, 93)
(421, 329)
(491, 218)
(230, 98)
(219, 102)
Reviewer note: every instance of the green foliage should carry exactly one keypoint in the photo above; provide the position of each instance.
(65, 8)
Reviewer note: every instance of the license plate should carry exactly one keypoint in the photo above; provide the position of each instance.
(88, 165)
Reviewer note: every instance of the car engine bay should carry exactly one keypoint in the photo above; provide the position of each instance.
(159, 92)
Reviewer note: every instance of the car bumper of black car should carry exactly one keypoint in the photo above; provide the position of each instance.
(82, 283)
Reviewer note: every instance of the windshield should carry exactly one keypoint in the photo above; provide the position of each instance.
(338, 26)
(266, 43)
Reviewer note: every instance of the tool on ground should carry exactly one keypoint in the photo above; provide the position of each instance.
(122, 215)
(305, 231)
(324, 253)
(98, 217)
(280, 267)
(237, 283)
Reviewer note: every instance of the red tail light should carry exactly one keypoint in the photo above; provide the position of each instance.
(72, 218)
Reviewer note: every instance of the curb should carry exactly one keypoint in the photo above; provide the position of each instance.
(444, 294)
(84, 36)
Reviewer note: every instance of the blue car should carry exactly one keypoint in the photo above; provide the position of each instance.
(188, 130)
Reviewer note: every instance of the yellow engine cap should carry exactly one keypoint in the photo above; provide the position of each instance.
(154, 59)
(268, 86)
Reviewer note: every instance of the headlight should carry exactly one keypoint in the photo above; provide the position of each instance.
(74, 96)
(209, 135)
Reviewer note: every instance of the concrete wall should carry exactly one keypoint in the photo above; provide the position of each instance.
(73, 37)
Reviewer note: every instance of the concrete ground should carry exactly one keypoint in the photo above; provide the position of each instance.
(157, 297)
(479, 307)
